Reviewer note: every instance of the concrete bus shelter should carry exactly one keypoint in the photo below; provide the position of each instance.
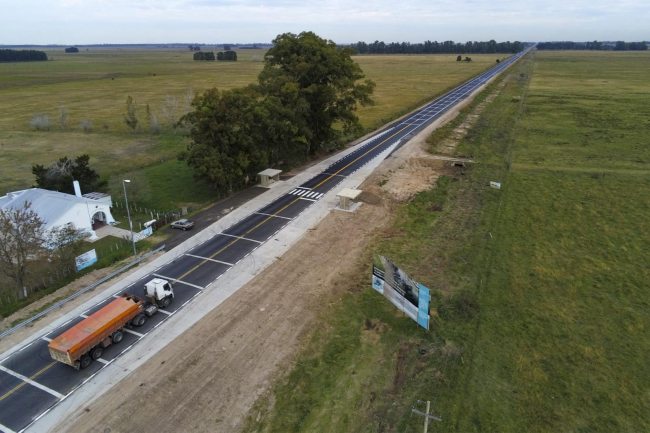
(268, 176)
(347, 198)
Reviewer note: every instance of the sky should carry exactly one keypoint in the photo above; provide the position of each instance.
(69, 22)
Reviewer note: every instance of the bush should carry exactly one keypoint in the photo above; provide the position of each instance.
(72, 50)
(41, 122)
(86, 125)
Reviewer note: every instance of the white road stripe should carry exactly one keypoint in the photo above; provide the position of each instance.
(31, 382)
(302, 192)
(164, 312)
(46, 339)
(268, 214)
(239, 237)
(102, 360)
(133, 332)
(302, 187)
(212, 260)
(83, 315)
(308, 199)
(179, 281)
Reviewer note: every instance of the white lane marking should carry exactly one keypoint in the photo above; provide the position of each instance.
(302, 192)
(268, 214)
(292, 191)
(83, 315)
(311, 194)
(302, 187)
(308, 199)
(240, 237)
(103, 361)
(179, 281)
(6, 429)
(133, 332)
(117, 296)
(46, 339)
(166, 312)
(31, 382)
(212, 260)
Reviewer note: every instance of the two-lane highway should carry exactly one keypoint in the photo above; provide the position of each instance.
(31, 383)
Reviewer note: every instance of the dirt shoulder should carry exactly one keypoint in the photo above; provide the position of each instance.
(210, 379)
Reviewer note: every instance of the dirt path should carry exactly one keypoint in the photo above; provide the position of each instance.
(211, 378)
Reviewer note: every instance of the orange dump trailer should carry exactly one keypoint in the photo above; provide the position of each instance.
(85, 342)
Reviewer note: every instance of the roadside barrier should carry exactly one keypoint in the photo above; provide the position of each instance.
(81, 292)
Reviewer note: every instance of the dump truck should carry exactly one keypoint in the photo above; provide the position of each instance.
(85, 342)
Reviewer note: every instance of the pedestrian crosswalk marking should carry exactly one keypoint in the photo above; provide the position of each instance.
(306, 194)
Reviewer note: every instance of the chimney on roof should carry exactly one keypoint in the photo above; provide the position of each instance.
(77, 188)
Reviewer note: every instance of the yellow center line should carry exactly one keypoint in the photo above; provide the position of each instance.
(8, 393)
(362, 156)
(233, 242)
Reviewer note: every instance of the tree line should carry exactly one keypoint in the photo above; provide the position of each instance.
(221, 56)
(435, 47)
(204, 56)
(308, 85)
(595, 45)
(7, 55)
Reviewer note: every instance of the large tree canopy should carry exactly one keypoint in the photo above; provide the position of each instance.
(59, 175)
(326, 77)
(307, 95)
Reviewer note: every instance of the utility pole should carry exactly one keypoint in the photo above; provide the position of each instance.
(426, 415)
(124, 182)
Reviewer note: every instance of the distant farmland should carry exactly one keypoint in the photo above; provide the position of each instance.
(94, 84)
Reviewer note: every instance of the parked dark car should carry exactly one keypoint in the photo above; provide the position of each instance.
(182, 224)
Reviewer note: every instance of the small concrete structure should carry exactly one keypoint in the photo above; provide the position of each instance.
(347, 198)
(268, 176)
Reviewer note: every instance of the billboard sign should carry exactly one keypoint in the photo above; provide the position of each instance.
(403, 291)
(85, 260)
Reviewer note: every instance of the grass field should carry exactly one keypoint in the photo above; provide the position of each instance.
(94, 84)
(539, 289)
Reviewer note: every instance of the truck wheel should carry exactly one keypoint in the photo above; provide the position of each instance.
(96, 353)
(85, 361)
(166, 302)
(117, 337)
(139, 320)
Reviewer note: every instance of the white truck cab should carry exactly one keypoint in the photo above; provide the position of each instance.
(159, 292)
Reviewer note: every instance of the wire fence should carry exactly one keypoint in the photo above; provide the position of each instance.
(79, 293)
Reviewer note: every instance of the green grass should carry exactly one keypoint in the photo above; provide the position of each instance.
(94, 84)
(539, 290)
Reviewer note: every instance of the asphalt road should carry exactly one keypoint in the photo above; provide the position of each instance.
(31, 383)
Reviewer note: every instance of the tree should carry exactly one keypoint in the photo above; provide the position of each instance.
(60, 175)
(170, 108)
(72, 50)
(63, 117)
(325, 77)
(66, 242)
(130, 117)
(225, 139)
(21, 241)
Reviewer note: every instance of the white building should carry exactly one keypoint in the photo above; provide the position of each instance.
(86, 212)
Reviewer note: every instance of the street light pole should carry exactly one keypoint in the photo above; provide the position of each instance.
(124, 182)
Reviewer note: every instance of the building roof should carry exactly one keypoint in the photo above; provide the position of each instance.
(49, 205)
(270, 172)
(349, 193)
